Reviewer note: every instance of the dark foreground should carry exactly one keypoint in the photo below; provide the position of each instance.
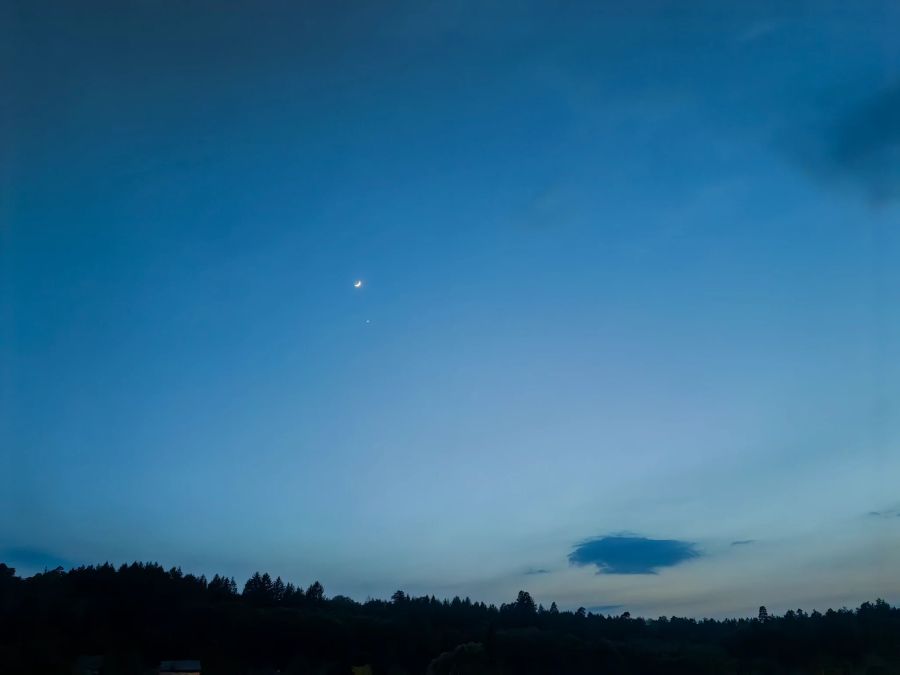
(139, 614)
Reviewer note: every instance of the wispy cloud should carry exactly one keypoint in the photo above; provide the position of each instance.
(539, 570)
(743, 542)
(630, 554)
(28, 560)
(758, 31)
(604, 609)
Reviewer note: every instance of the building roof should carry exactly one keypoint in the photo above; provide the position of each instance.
(88, 664)
(182, 666)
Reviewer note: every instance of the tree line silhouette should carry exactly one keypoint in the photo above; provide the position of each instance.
(138, 614)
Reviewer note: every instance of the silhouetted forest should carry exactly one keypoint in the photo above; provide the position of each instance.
(139, 614)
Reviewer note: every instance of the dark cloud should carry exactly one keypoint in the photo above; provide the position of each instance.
(539, 570)
(860, 146)
(742, 542)
(886, 513)
(629, 554)
(866, 144)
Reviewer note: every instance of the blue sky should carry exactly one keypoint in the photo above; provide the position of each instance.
(631, 295)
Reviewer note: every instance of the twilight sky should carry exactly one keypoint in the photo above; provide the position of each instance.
(629, 334)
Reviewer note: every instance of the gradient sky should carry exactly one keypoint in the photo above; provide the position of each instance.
(630, 328)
